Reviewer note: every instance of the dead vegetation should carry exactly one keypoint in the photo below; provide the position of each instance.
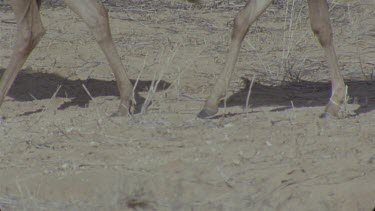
(62, 150)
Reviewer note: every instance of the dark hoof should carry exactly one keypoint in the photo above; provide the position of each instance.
(334, 110)
(207, 113)
(325, 115)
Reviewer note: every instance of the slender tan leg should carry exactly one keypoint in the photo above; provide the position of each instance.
(96, 18)
(242, 22)
(321, 26)
(29, 32)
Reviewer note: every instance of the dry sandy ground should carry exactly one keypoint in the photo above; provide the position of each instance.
(62, 150)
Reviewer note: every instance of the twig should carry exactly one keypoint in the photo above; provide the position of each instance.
(154, 84)
(139, 76)
(248, 94)
(193, 98)
(88, 92)
(9, 21)
(98, 120)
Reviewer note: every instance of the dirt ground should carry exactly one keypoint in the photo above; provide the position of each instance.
(62, 150)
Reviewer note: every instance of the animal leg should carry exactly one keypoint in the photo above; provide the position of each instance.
(321, 26)
(96, 18)
(29, 32)
(242, 22)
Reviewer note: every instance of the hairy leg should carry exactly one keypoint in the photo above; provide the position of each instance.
(321, 26)
(96, 18)
(29, 32)
(242, 22)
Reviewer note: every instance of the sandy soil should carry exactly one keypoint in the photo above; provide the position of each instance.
(62, 150)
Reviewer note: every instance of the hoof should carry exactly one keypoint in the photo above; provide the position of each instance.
(207, 113)
(325, 115)
(123, 110)
(333, 110)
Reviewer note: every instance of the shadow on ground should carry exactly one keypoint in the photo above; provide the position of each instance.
(29, 86)
(303, 94)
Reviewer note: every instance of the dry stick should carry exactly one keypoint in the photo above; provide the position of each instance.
(290, 30)
(9, 21)
(294, 116)
(248, 95)
(47, 106)
(62, 131)
(151, 91)
(259, 57)
(139, 76)
(285, 26)
(20, 190)
(291, 42)
(98, 120)
(199, 99)
(154, 85)
(177, 81)
(87, 91)
(148, 98)
(32, 96)
(176, 84)
(288, 36)
(52, 97)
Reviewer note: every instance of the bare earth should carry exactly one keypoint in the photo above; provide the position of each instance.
(62, 150)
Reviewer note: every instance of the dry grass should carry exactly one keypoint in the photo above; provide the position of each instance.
(166, 159)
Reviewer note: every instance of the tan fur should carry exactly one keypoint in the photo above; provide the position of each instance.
(321, 26)
(31, 30)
